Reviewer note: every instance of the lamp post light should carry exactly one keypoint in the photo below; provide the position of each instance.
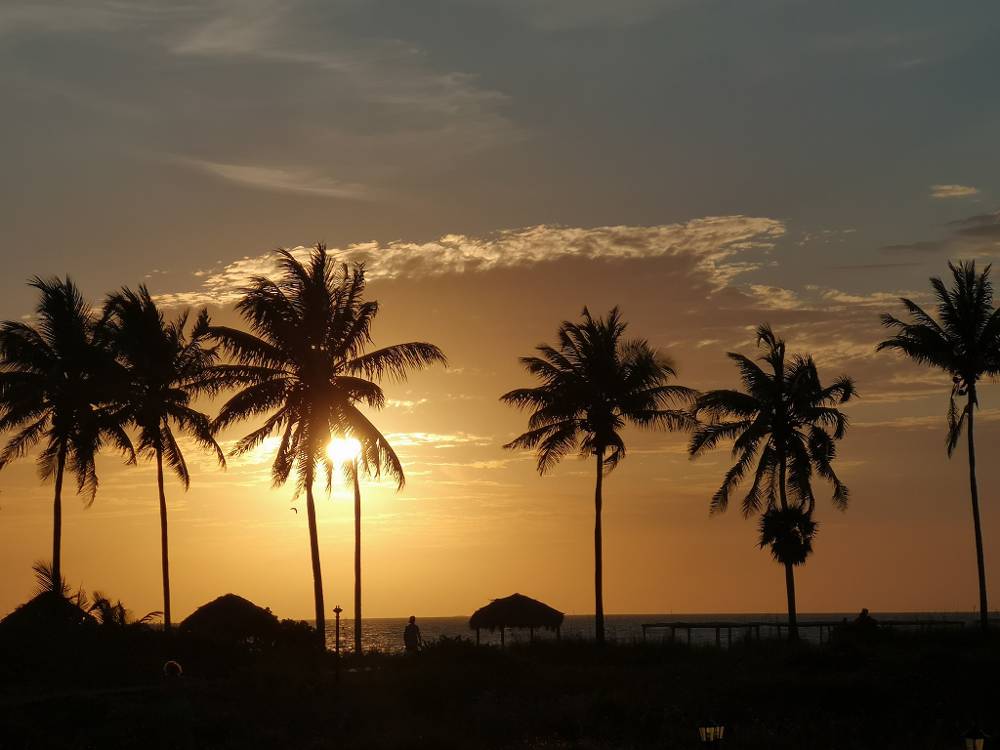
(975, 739)
(711, 734)
(336, 630)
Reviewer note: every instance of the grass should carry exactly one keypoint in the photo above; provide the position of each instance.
(910, 691)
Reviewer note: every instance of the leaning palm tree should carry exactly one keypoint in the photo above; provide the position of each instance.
(787, 423)
(167, 368)
(303, 367)
(594, 382)
(56, 387)
(964, 342)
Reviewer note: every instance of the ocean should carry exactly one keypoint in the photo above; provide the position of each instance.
(386, 634)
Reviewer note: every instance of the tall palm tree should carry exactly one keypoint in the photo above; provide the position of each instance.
(303, 367)
(594, 382)
(787, 423)
(56, 384)
(963, 341)
(167, 368)
(367, 464)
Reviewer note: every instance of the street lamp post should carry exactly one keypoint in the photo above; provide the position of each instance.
(336, 630)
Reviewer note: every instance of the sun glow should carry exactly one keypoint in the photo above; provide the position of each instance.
(343, 450)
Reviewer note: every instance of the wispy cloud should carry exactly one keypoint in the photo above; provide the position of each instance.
(436, 440)
(873, 299)
(559, 15)
(776, 298)
(953, 191)
(928, 422)
(368, 107)
(970, 237)
(405, 404)
(980, 226)
(280, 179)
(420, 109)
(715, 243)
(915, 248)
(53, 16)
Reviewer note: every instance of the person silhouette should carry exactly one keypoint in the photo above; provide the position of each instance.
(411, 636)
(865, 621)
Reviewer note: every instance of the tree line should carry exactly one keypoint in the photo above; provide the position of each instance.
(76, 380)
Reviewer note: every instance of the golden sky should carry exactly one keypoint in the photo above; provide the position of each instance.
(499, 165)
(475, 521)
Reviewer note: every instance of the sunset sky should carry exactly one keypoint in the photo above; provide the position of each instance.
(499, 164)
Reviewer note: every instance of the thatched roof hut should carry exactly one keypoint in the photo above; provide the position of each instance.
(516, 611)
(232, 619)
(45, 615)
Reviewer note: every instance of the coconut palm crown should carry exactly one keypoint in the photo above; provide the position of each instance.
(57, 388)
(305, 370)
(167, 367)
(593, 383)
(784, 427)
(963, 340)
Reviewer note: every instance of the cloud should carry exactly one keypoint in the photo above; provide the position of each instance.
(874, 266)
(826, 236)
(971, 237)
(79, 16)
(775, 297)
(273, 86)
(714, 242)
(435, 440)
(874, 299)
(924, 246)
(417, 108)
(280, 179)
(979, 226)
(928, 422)
(406, 405)
(561, 15)
(953, 191)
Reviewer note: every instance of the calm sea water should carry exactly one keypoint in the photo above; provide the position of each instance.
(386, 634)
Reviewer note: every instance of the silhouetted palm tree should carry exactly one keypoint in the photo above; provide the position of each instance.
(594, 382)
(55, 384)
(394, 362)
(782, 421)
(352, 470)
(114, 615)
(303, 365)
(166, 369)
(964, 341)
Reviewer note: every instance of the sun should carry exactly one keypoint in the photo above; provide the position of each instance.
(343, 450)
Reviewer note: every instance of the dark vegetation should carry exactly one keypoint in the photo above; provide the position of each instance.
(864, 690)
(79, 671)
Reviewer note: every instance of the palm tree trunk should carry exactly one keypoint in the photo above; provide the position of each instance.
(793, 623)
(598, 552)
(973, 486)
(314, 552)
(357, 559)
(164, 553)
(57, 521)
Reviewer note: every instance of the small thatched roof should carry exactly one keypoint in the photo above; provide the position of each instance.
(516, 611)
(47, 613)
(231, 618)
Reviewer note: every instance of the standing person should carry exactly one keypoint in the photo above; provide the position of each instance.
(411, 636)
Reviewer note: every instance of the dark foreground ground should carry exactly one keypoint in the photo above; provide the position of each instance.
(882, 691)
